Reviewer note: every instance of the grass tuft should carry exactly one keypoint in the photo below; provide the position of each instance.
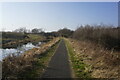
(78, 65)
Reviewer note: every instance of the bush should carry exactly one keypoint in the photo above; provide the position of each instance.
(108, 36)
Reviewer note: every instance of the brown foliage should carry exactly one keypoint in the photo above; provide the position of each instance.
(103, 63)
(16, 66)
(108, 36)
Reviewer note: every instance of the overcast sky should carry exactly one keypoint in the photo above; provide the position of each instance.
(52, 16)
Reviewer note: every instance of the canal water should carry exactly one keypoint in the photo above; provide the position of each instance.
(17, 51)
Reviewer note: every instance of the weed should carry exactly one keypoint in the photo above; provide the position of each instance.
(77, 64)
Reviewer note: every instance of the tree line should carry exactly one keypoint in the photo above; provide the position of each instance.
(108, 36)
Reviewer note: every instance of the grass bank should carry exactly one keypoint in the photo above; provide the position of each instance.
(102, 63)
(40, 63)
(104, 35)
(79, 67)
(31, 64)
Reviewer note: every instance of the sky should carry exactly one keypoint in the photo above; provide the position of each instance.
(52, 16)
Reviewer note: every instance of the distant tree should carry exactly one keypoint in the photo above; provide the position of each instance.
(28, 31)
(35, 30)
(55, 34)
(3, 29)
(21, 30)
(65, 32)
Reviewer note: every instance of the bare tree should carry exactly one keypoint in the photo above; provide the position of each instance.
(21, 30)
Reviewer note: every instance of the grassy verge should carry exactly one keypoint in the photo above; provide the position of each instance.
(31, 64)
(102, 63)
(79, 67)
(40, 63)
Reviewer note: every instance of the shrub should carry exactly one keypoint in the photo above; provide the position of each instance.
(108, 36)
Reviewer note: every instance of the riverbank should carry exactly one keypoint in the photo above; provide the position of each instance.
(19, 50)
(13, 40)
(26, 65)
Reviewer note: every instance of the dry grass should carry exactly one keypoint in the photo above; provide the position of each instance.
(78, 66)
(108, 36)
(103, 63)
(13, 40)
(15, 66)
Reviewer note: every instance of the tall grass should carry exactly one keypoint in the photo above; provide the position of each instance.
(78, 66)
(101, 63)
(108, 36)
(25, 65)
(100, 47)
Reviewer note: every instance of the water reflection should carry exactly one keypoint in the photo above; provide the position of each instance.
(18, 50)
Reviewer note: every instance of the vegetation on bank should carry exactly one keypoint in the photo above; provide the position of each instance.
(40, 63)
(30, 64)
(79, 67)
(97, 46)
(94, 51)
(13, 39)
(107, 36)
(102, 63)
